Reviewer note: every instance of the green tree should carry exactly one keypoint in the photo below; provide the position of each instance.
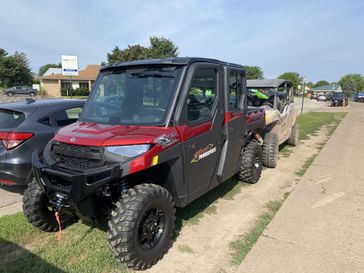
(159, 48)
(294, 77)
(43, 69)
(352, 82)
(321, 83)
(253, 72)
(14, 69)
(310, 85)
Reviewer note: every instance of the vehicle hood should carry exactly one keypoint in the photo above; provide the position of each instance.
(92, 134)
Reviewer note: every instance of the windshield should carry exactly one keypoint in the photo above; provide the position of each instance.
(337, 95)
(139, 96)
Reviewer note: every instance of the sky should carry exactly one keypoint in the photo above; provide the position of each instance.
(323, 40)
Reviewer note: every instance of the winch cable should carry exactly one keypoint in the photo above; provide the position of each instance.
(59, 233)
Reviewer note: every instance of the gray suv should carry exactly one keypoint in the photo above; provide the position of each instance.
(24, 90)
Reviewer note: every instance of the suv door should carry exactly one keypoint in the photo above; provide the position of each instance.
(235, 109)
(201, 127)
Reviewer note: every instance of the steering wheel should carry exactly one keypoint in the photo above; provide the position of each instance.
(104, 108)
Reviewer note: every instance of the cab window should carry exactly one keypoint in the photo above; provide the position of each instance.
(202, 94)
(234, 91)
(67, 116)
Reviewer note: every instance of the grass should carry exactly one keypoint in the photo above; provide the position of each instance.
(26, 249)
(75, 97)
(241, 247)
(185, 249)
(306, 165)
(311, 123)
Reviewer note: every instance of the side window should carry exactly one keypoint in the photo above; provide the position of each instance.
(45, 121)
(234, 90)
(68, 116)
(202, 94)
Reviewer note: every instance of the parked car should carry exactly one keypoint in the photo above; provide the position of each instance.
(321, 98)
(359, 97)
(27, 126)
(339, 99)
(21, 90)
(313, 96)
(276, 96)
(181, 129)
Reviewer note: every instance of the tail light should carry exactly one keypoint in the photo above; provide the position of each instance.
(14, 139)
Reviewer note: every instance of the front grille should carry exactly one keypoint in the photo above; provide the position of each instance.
(77, 157)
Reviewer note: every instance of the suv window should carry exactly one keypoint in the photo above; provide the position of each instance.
(10, 119)
(202, 94)
(67, 116)
(234, 91)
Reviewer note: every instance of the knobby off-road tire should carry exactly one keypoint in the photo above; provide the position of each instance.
(270, 150)
(251, 163)
(36, 210)
(293, 138)
(141, 226)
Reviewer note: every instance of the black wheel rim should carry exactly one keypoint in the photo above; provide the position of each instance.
(151, 228)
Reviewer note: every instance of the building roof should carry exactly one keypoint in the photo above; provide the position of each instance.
(52, 71)
(89, 73)
(330, 87)
(274, 83)
(168, 61)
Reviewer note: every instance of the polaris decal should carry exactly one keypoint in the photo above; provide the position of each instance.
(203, 152)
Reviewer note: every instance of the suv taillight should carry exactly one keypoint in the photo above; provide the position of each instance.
(14, 139)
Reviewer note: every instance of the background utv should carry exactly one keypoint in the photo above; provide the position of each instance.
(153, 135)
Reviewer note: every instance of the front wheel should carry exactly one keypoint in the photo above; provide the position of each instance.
(251, 163)
(293, 138)
(10, 94)
(38, 212)
(270, 150)
(141, 226)
(32, 94)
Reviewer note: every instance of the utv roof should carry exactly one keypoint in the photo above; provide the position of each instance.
(274, 83)
(168, 61)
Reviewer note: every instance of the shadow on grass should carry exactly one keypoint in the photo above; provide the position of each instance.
(192, 213)
(17, 259)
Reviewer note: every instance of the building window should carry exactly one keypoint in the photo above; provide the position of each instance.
(83, 85)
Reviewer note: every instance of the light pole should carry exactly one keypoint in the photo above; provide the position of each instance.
(303, 92)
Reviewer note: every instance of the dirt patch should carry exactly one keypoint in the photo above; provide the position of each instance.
(210, 238)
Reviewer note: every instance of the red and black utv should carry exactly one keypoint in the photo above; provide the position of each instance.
(153, 135)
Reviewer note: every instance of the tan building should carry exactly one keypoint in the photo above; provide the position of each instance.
(53, 83)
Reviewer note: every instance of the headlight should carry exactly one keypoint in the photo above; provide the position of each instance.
(129, 150)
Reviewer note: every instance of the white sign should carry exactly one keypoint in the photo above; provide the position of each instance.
(69, 65)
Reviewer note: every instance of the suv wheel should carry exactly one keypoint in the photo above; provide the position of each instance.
(10, 94)
(141, 226)
(36, 209)
(293, 138)
(32, 94)
(270, 150)
(251, 163)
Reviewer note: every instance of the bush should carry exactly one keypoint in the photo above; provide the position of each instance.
(75, 92)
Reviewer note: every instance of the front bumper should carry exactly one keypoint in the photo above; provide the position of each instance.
(76, 189)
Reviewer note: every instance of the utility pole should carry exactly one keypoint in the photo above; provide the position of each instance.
(303, 93)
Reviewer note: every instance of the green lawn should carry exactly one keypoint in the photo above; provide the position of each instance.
(84, 249)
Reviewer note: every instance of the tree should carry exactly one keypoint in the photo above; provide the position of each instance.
(253, 72)
(310, 85)
(14, 69)
(352, 82)
(159, 48)
(294, 77)
(321, 83)
(43, 69)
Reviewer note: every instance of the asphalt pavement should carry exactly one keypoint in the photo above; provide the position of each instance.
(319, 228)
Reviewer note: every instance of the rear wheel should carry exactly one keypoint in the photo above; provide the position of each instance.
(251, 163)
(10, 94)
(270, 150)
(141, 226)
(293, 138)
(36, 209)
(32, 94)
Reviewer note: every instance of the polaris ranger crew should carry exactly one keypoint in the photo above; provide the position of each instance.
(153, 135)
